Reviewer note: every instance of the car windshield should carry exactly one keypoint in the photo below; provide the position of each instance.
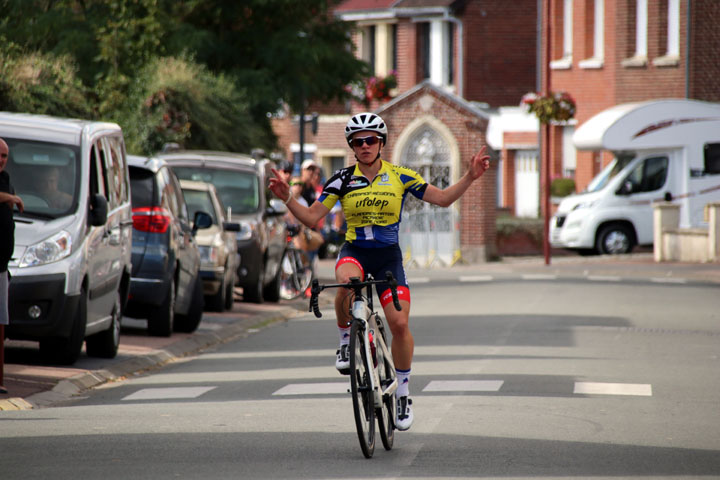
(236, 189)
(199, 201)
(45, 175)
(620, 161)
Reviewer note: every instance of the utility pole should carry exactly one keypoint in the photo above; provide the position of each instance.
(546, 136)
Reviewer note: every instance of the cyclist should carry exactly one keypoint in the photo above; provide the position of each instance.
(371, 193)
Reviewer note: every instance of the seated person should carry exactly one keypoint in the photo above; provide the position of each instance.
(45, 186)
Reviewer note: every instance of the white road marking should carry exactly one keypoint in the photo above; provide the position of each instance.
(668, 280)
(418, 280)
(168, 393)
(314, 389)
(463, 386)
(604, 278)
(539, 276)
(592, 388)
(476, 278)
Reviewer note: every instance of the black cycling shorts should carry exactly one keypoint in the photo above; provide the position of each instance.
(377, 261)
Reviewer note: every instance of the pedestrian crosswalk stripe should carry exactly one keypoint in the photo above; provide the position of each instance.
(592, 388)
(313, 388)
(168, 393)
(463, 386)
(538, 276)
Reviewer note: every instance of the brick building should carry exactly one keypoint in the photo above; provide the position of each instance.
(608, 52)
(454, 61)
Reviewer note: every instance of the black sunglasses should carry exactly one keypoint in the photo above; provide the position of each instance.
(358, 142)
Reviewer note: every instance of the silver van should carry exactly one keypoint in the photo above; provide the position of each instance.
(71, 266)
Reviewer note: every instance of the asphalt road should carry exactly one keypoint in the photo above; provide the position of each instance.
(521, 378)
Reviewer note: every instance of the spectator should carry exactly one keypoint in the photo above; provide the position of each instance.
(8, 201)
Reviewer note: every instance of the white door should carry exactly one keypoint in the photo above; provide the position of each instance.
(428, 233)
(527, 184)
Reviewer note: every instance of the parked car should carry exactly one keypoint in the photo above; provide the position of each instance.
(165, 286)
(71, 264)
(219, 259)
(241, 183)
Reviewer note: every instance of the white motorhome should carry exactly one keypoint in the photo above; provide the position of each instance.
(665, 150)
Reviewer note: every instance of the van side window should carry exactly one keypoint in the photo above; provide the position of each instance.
(712, 159)
(96, 186)
(118, 167)
(649, 176)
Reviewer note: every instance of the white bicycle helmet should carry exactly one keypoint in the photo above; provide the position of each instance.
(366, 121)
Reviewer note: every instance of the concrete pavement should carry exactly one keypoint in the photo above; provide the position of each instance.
(32, 384)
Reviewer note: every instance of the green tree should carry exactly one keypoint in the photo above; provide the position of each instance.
(41, 83)
(177, 100)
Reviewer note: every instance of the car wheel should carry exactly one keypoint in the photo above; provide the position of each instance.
(614, 239)
(230, 294)
(254, 293)
(66, 350)
(160, 324)
(272, 290)
(216, 303)
(105, 344)
(189, 322)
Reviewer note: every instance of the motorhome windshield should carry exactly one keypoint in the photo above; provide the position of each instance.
(45, 175)
(620, 161)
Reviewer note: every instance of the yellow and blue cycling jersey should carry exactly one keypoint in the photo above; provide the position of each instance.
(373, 208)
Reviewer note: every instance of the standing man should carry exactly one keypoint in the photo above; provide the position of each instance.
(8, 200)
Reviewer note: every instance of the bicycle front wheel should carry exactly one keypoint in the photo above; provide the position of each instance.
(362, 395)
(386, 413)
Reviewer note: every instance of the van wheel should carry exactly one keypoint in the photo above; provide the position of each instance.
(254, 293)
(272, 291)
(105, 344)
(614, 239)
(189, 323)
(66, 350)
(160, 324)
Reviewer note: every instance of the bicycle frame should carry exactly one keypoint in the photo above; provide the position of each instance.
(361, 312)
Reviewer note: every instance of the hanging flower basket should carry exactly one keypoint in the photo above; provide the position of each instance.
(381, 89)
(555, 107)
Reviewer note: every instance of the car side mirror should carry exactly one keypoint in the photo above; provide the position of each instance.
(231, 226)
(98, 210)
(277, 208)
(201, 221)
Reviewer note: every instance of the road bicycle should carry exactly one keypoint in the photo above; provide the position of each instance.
(373, 382)
(295, 268)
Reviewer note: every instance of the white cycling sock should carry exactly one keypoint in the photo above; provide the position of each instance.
(403, 377)
(344, 335)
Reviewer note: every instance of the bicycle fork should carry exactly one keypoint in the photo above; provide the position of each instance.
(376, 351)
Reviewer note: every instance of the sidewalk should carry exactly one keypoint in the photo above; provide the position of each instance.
(32, 384)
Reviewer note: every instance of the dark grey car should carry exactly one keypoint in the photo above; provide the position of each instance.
(165, 286)
(241, 183)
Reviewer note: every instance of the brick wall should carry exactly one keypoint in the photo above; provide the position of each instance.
(500, 50)
(477, 206)
(705, 47)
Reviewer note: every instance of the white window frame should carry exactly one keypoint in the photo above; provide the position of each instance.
(566, 61)
(639, 58)
(672, 55)
(598, 37)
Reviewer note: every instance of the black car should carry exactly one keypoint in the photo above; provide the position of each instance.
(241, 184)
(165, 286)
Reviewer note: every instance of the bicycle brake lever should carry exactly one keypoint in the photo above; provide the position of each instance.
(393, 289)
(315, 291)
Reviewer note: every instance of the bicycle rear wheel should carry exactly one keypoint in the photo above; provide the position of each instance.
(295, 274)
(362, 395)
(386, 413)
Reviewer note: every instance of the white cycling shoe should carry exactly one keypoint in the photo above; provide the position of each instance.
(342, 362)
(404, 413)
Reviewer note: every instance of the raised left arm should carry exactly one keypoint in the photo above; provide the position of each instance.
(446, 197)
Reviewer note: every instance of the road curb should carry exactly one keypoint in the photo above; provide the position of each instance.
(67, 388)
